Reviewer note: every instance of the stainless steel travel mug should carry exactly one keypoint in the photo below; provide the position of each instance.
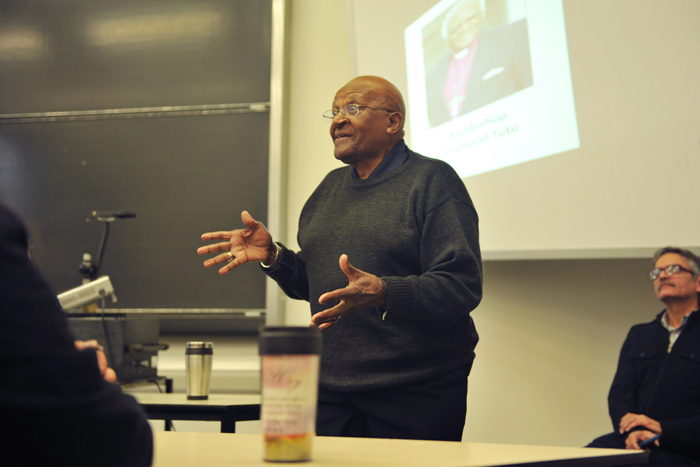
(290, 358)
(198, 359)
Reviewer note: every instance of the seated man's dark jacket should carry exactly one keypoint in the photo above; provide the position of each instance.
(55, 407)
(662, 385)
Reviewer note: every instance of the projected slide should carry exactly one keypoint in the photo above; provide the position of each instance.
(489, 83)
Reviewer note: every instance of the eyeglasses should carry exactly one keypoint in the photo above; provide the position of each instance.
(671, 269)
(350, 110)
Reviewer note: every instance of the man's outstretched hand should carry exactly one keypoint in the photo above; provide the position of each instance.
(241, 246)
(363, 291)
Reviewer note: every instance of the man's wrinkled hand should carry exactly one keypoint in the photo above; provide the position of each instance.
(636, 437)
(632, 420)
(363, 291)
(252, 244)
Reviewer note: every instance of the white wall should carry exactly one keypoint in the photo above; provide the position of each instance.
(550, 335)
(550, 330)
(320, 64)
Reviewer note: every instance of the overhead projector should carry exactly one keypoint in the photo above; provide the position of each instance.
(87, 293)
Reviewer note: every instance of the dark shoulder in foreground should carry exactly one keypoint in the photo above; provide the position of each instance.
(55, 406)
(11, 227)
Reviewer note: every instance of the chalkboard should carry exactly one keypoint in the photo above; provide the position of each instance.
(64, 152)
(107, 54)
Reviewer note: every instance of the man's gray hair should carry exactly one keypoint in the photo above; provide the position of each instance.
(692, 258)
(445, 30)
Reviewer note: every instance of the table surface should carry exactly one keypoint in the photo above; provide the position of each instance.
(242, 450)
(177, 399)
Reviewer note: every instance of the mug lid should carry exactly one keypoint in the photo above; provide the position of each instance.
(200, 345)
(289, 340)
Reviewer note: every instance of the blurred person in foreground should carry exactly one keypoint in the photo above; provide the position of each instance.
(58, 401)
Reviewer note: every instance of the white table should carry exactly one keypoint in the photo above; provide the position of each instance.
(245, 450)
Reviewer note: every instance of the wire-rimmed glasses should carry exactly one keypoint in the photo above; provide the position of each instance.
(350, 110)
(671, 269)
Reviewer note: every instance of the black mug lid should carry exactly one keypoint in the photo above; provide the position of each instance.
(200, 345)
(199, 348)
(290, 340)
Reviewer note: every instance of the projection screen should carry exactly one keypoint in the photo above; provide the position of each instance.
(577, 136)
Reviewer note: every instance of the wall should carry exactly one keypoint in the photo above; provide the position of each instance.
(320, 65)
(550, 335)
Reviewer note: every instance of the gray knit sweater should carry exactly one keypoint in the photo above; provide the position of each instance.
(416, 227)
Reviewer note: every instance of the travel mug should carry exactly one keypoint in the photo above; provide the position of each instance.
(290, 359)
(198, 358)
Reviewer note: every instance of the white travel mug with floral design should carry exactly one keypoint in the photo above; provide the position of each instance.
(290, 359)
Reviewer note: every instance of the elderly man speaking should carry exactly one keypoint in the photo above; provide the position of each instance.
(391, 265)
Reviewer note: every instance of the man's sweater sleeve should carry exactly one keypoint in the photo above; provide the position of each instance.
(450, 286)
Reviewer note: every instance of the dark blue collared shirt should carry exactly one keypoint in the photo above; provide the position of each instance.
(393, 160)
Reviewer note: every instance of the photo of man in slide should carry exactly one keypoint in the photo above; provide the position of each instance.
(473, 66)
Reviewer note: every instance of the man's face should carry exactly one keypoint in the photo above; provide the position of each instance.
(680, 286)
(363, 136)
(464, 25)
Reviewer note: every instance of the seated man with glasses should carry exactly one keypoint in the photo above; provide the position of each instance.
(656, 390)
(396, 364)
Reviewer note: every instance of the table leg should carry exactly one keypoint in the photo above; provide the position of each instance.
(228, 421)
(168, 390)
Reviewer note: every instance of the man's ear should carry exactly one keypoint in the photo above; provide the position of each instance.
(697, 284)
(395, 123)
